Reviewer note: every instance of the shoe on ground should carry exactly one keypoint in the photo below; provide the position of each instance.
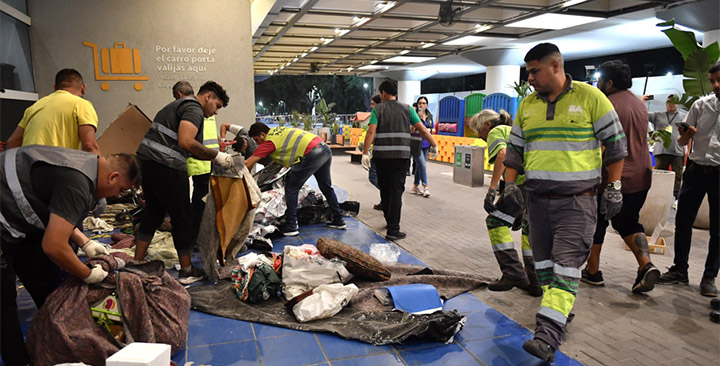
(192, 275)
(673, 276)
(533, 290)
(540, 349)
(378, 207)
(595, 279)
(646, 278)
(416, 190)
(506, 284)
(715, 316)
(715, 304)
(397, 235)
(707, 287)
(337, 223)
(426, 192)
(288, 230)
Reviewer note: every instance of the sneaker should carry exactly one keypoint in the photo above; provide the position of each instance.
(506, 284)
(426, 192)
(707, 287)
(540, 349)
(673, 276)
(288, 230)
(397, 235)
(646, 278)
(595, 279)
(416, 190)
(193, 274)
(337, 223)
(378, 207)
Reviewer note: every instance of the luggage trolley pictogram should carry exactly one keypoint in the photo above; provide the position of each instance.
(116, 63)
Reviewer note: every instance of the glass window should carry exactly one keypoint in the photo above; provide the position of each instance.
(15, 62)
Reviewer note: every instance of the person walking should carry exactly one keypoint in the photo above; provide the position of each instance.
(556, 141)
(670, 157)
(421, 148)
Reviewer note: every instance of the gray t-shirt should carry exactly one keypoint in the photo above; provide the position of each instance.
(667, 121)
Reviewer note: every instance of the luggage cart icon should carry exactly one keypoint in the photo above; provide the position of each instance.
(116, 63)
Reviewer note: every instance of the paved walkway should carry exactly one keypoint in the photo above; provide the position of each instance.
(613, 326)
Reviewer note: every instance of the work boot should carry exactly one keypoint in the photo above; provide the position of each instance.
(715, 304)
(646, 278)
(506, 284)
(378, 206)
(707, 286)
(673, 276)
(595, 279)
(540, 349)
(396, 235)
(715, 316)
(533, 289)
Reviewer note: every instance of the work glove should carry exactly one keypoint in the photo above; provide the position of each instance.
(97, 274)
(490, 200)
(513, 195)
(224, 160)
(99, 207)
(92, 248)
(611, 202)
(366, 161)
(433, 152)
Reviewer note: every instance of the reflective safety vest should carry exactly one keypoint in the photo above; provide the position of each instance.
(392, 137)
(22, 211)
(496, 141)
(160, 143)
(200, 167)
(290, 144)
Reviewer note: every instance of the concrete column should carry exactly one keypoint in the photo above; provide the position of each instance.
(710, 37)
(499, 79)
(376, 84)
(407, 90)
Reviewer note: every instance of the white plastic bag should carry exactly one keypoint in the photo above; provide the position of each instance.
(302, 272)
(386, 253)
(325, 301)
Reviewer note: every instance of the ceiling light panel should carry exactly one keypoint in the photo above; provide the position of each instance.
(554, 21)
(408, 59)
(474, 41)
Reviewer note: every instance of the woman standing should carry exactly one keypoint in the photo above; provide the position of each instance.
(421, 148)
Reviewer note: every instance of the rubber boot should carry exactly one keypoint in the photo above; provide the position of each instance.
(533, 288)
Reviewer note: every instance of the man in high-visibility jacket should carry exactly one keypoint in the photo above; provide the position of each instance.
(556, 141)
(308, 155)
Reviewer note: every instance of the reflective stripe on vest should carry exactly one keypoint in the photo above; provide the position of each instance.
(14, 184)
(163, 149)
(15, 233)
(164, 130)
(290, 144)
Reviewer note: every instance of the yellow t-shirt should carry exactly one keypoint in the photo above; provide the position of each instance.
(54, 120)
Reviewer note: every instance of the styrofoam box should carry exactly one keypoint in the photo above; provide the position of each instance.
(141, 354)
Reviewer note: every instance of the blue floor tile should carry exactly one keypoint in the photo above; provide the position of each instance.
(296, 349)
(489, 324)
(443, 354)
(465, 303)
(179, 357)
(386, 359)
(227, 354)
(336, 347)
(199, 315)
(220, 330)
(502, 351)
(270, 331)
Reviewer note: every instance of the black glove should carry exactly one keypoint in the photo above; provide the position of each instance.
(611, 202)
(490, 200)
(513, 195)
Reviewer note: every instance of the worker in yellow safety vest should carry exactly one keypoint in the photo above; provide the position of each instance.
(556, 141)
(306, 154)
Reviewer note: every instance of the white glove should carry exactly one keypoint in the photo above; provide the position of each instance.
(120, 263)
(433, 152)
(97, 274)
(92, 248)
(366, 161)
(235, 129)
(224, 160)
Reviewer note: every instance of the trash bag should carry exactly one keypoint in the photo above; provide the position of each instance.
(302, 272)
(324, 302)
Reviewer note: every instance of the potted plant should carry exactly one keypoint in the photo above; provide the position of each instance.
(522, 89)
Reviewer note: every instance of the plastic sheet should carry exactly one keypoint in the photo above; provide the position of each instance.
(325, 301)
(386, 253)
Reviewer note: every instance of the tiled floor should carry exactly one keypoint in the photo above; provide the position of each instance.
(488, 337)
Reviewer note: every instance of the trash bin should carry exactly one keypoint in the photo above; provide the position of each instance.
(469, 165)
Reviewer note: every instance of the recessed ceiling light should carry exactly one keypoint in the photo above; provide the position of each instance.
(295, 59)
(572, 2)
(406, 59)
(426, 45)
(465, 41)
(373, 61)
(553, 21)
(371, 67)
(313, 49)
(326, 40)
(482, 27)
(304, 54)
(404, 52)
(383, 7)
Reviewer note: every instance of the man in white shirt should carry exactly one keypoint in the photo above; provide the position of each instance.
(666, 157)
(702, 176)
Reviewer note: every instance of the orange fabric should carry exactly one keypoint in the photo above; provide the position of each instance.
(232, 202)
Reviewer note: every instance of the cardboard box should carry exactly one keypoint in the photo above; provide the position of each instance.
(657, 248)
(125, 133)
(141, 354)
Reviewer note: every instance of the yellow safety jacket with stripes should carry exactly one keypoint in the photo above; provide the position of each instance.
(210, 140)
(290, 144)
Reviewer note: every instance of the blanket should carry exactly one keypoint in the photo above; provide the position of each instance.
(364, 319)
